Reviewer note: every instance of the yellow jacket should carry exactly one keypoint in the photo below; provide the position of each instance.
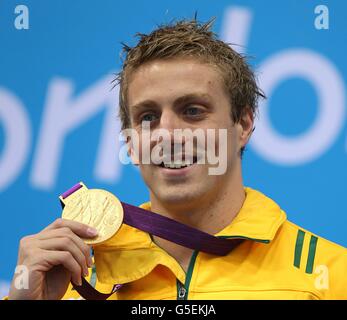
(277, 260)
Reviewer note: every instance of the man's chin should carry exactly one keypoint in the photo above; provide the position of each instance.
(180, 197)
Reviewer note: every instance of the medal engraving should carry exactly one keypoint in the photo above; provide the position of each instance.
(97, 208)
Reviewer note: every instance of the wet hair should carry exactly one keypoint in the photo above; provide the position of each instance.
(192, 39)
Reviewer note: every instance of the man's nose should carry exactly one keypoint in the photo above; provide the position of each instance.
(169, 121)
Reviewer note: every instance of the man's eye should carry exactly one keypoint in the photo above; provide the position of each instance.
(192, 111)
(149, 117)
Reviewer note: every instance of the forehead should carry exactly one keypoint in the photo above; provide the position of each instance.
(166, 80)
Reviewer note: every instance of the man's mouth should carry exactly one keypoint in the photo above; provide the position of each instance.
(178, 164)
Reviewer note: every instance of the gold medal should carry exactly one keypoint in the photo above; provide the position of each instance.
(97, 208)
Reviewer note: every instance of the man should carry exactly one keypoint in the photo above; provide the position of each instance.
(181, 76)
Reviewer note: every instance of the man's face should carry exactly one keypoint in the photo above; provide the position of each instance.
(183, 94)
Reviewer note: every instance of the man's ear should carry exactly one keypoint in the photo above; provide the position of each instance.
(132, 152)
(246, 127)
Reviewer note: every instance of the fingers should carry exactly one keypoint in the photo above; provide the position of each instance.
(66, 245)
(67, 234)
(66, 259)
(78, 228)
(59, 244)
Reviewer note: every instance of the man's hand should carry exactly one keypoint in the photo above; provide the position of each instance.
(53, 257)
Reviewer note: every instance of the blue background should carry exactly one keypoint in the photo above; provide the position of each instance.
(80, 40)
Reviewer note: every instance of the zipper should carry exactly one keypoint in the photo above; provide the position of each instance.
(183, 289)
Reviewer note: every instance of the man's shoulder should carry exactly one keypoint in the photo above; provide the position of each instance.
(301, 235)
(317, 264)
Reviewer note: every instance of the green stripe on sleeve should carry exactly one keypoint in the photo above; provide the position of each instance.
(311, 254)
(298, 248)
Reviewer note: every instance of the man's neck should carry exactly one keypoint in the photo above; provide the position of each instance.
(208, 216)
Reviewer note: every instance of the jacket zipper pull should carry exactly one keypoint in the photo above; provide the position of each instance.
(181, 292)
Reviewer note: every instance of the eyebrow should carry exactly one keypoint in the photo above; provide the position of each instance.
(181, 100)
